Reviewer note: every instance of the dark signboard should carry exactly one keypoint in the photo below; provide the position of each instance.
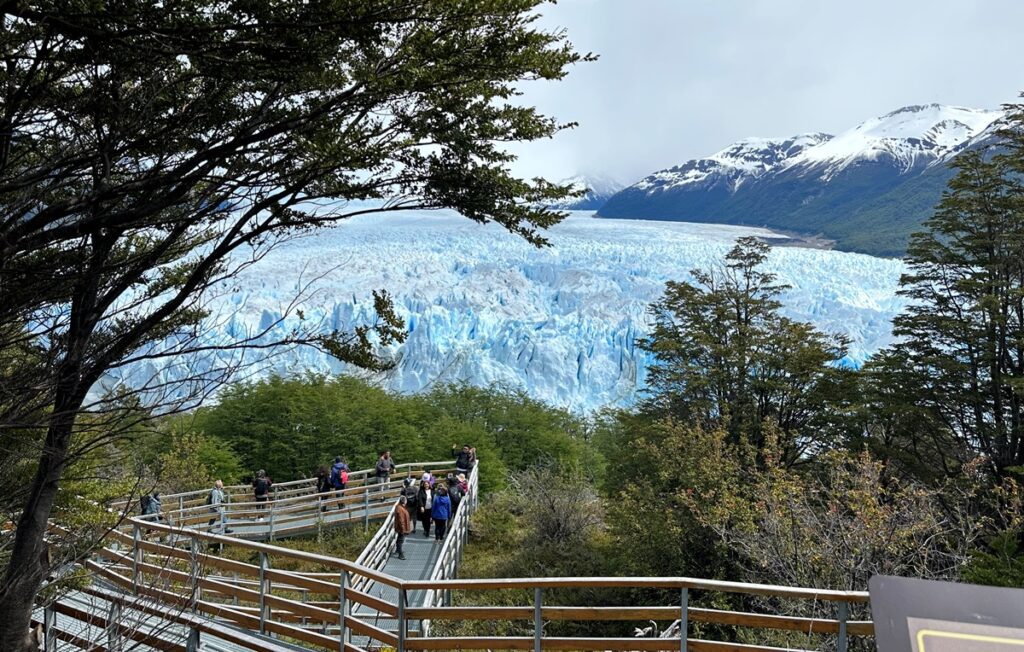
(923, 616)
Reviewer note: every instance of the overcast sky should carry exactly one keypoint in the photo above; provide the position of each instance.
(678, 79)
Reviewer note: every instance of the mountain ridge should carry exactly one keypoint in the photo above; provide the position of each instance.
(866, 188)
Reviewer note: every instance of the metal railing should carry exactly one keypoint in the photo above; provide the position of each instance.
(188, 568)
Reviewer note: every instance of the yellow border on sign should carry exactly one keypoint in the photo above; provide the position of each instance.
(921, 633)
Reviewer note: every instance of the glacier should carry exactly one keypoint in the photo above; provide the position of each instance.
(485, 307)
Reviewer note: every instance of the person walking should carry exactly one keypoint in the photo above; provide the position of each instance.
(441, 511)
(261, 488)
(411, 494)
(323, 479)
(339, 478)
(403, 526)
(424, 504)
(150, 506)
(385, 465)
(323, 483)
(463, 461)
(218, 500)
(454, 493)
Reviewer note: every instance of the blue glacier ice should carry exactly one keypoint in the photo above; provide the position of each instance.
(483, 306)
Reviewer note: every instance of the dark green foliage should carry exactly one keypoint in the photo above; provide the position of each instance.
(961, 354)
(150, 149)
(291, 426)
(1001, 564)
(724, 354)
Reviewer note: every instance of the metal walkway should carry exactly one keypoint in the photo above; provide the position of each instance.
(166, 584)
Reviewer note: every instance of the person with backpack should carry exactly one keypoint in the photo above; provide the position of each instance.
(454, 492)
(403, 527)
(149, 506)
(441, 511)
(217, 499)
(424, 503)
(261, 488)
(411, 494)
(339, 477)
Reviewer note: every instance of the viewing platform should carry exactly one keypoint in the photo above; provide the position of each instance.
(188, 589)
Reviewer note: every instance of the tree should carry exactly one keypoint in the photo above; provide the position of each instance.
(723, 354)
(962, 334)
(150, 149)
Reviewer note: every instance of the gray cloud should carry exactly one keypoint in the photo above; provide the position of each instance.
(683, 78)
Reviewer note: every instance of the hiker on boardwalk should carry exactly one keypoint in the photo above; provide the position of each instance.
(429, 478)
(463, 459)
(339, 477)
(411, 494)
(149, 506)
(454, 492)
(403, 525)
(441, 511)
(323, 483)
(261, 488)
(385, 465)
(424, 503)
(218, 500)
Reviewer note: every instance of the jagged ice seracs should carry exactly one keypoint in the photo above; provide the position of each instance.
(485, 307)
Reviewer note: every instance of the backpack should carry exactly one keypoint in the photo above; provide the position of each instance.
(144, 503)
(335, 478)
(209, 497)
(262, 486)
(344, 476)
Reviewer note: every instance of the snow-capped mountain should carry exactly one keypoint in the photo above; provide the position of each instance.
(912, 137)
(596, 188)
(483, 306)
(750, 158)
(867, 187)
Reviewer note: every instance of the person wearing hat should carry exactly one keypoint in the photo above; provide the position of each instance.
(463, 483)
(454, 492)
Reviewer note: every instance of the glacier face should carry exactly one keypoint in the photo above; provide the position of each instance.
(483, 306)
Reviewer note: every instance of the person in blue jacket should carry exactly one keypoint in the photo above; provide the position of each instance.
(441, 511)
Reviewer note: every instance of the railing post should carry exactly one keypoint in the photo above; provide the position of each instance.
(113, 627)
(136, 558)
(271, 521)
(684, 618)
(538, 622)
(844, 614)
(194, 572)
(49, 629)
(345, 582)
(264, 589)
(366, 508)
(192, 643)
(403, 626)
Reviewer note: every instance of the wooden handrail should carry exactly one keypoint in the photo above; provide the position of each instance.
(239, 488)
(254, 602)
(766, 590)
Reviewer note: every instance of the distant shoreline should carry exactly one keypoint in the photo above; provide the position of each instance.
(794, 239)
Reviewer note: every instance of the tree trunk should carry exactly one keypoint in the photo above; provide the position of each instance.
(29, 563)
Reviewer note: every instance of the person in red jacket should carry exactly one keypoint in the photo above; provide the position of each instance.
(403, 525)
